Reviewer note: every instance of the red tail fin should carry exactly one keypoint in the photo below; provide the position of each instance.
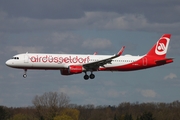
(160, 48)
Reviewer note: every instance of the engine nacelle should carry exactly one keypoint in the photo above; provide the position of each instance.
(72, 69)
(65, 72)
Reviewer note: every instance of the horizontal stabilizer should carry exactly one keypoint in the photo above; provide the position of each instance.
(164, 61)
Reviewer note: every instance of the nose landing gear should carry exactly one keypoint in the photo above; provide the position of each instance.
(25, 75)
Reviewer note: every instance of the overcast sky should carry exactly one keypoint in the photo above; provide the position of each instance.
(85, 27)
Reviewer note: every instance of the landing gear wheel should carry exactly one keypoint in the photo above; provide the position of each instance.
(24, 75)
(92, 76)
(86, 77)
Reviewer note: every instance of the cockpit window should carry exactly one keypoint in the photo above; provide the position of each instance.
(17, 58)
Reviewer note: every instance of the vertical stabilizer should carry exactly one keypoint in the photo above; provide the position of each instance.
(161, 47)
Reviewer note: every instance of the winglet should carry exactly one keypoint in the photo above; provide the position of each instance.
(121, 51)
(95, 53)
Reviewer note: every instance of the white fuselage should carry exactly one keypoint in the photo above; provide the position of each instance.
(61, 61)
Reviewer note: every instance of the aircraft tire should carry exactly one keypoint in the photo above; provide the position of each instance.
(24, 75)
(92, 76)
(86, 77)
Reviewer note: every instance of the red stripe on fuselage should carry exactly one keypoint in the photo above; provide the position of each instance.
(143, 63)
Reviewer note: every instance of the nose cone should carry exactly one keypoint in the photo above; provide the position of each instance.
(8, 63)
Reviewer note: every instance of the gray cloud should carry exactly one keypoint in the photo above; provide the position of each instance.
(170, 76)
(148, 93)
(97, 43)
(42, 9)
(21, 49)
(155, 11)
(91, 20)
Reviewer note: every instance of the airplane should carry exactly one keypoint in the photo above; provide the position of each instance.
(69, 64)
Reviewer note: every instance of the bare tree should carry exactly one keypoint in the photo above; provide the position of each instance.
(49, 104)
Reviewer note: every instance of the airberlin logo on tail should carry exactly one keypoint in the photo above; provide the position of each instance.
(161, 46)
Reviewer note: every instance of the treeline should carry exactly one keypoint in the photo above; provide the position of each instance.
(54, 106)
(131, 111)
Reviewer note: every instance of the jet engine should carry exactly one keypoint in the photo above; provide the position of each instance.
(72, 69)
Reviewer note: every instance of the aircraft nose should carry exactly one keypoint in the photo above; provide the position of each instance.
(8, 62)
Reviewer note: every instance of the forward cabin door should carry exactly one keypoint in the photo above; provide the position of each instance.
(26, 58)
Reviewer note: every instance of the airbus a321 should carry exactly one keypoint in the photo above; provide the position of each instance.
(69, 64)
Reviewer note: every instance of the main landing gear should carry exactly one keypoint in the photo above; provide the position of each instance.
(91, 76)
(25, 75)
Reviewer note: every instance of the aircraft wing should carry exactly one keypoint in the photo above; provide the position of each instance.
(95, 65)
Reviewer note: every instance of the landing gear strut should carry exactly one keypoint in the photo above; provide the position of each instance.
(91, 76)
(25, 75)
